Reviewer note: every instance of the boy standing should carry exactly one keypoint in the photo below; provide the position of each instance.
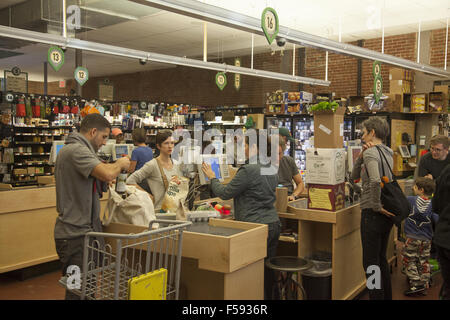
(419, 232)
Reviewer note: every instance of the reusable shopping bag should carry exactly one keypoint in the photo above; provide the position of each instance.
(137, 208)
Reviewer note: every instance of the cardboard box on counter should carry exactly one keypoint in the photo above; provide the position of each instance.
(400, 86)
(329, 128)
(46, 180)
(394, 102)
(326, 197)
(400, 74)
(325, 166)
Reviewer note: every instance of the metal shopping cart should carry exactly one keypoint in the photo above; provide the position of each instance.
(111, 262)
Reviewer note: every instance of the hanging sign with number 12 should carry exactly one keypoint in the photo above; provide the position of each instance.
(81, 75)
(269, 24)
(55, 57)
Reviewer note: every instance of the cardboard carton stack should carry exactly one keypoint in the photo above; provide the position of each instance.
(325, 163)
(400, 82)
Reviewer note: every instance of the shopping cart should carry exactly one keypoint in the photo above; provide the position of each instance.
(112, 261)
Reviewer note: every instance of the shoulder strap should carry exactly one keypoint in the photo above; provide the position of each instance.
(382, 156)
(163, 175)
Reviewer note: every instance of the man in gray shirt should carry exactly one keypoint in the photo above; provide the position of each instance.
(79, 175)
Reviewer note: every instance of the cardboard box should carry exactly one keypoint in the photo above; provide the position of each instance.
(400, 74)
(326, 197)
(31, 170)
(394, 102)
(438, 102)
(20, 171)
(419, 102)
(329, 128)
(325, 166)
(46, 179)
(400, 86)
(443, 89)
(258, 119)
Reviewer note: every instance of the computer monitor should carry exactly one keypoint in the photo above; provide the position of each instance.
(218, 165)
(56, 147)
(119, 150)
(352, 155)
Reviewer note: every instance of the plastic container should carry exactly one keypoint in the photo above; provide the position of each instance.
(317, 280)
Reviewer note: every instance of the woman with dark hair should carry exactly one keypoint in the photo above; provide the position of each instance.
(376, 222)
(159, 171)
(253, 192)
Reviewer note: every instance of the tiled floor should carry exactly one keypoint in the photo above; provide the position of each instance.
(46, 287)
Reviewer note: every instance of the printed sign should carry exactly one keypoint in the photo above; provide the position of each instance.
(377, 82)
(55, 57)
(270, 24)
(81, 75)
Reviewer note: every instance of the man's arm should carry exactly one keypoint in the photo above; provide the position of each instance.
(109, 171)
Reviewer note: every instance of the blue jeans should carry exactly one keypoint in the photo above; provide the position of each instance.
(272, 244)
(375, 231)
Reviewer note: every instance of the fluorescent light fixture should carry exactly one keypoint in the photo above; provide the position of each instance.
(150, 56)
(232, 19)
(109, 13)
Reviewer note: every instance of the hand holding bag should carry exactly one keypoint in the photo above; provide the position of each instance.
(392, 197)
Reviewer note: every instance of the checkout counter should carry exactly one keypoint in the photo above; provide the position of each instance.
(336, 232)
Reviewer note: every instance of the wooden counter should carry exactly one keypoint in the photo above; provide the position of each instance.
(219, 267)
(336, 232)
(27, 221)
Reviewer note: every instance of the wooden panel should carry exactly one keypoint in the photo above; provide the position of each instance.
(26, 237)
(314, 236)
(27, 199)
(348, 272)
(348, 221)
(246, 283)
(312, 215)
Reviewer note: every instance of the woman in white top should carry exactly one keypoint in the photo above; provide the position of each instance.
(151, 171)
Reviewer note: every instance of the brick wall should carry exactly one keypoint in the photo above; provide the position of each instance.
(437, 47)
(53, 88)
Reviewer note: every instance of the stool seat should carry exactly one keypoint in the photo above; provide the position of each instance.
(288, 264)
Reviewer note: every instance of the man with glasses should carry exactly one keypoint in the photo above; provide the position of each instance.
(433, 163)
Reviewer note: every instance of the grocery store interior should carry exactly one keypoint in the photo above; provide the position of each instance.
(316, 69)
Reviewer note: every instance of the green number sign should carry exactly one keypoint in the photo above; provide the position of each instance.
(221, 80)
(81, 75)
(55, 57)
(270, 24)
(377, 82)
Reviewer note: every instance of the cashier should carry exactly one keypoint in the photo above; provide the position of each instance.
(288, 172)
(253, 193)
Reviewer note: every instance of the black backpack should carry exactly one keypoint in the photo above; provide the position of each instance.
(392, 197)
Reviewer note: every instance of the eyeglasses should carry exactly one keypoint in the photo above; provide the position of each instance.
(436, 149)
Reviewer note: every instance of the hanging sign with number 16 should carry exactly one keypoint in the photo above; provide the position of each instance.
(81, 75)
(55, 57)
(269, 24)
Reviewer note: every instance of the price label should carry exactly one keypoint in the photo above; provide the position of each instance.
(81, 75)
(55, 58)
(221, 80)
(270, 24)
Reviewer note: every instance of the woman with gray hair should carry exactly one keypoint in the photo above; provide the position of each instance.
(376, 223)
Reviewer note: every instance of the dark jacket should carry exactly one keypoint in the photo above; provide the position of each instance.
(441, 205)
(253, 194)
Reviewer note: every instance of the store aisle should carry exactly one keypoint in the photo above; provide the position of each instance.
(46, 287)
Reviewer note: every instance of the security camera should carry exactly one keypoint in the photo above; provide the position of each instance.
(142, 61)
(281, 42)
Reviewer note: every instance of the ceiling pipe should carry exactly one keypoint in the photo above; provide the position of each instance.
(150, 56)
(232, 19)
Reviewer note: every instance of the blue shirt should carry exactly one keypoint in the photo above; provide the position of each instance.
(418, 224)
(141, 155)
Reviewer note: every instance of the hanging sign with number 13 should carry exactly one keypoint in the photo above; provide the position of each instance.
(81, 75)
(55, 57)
